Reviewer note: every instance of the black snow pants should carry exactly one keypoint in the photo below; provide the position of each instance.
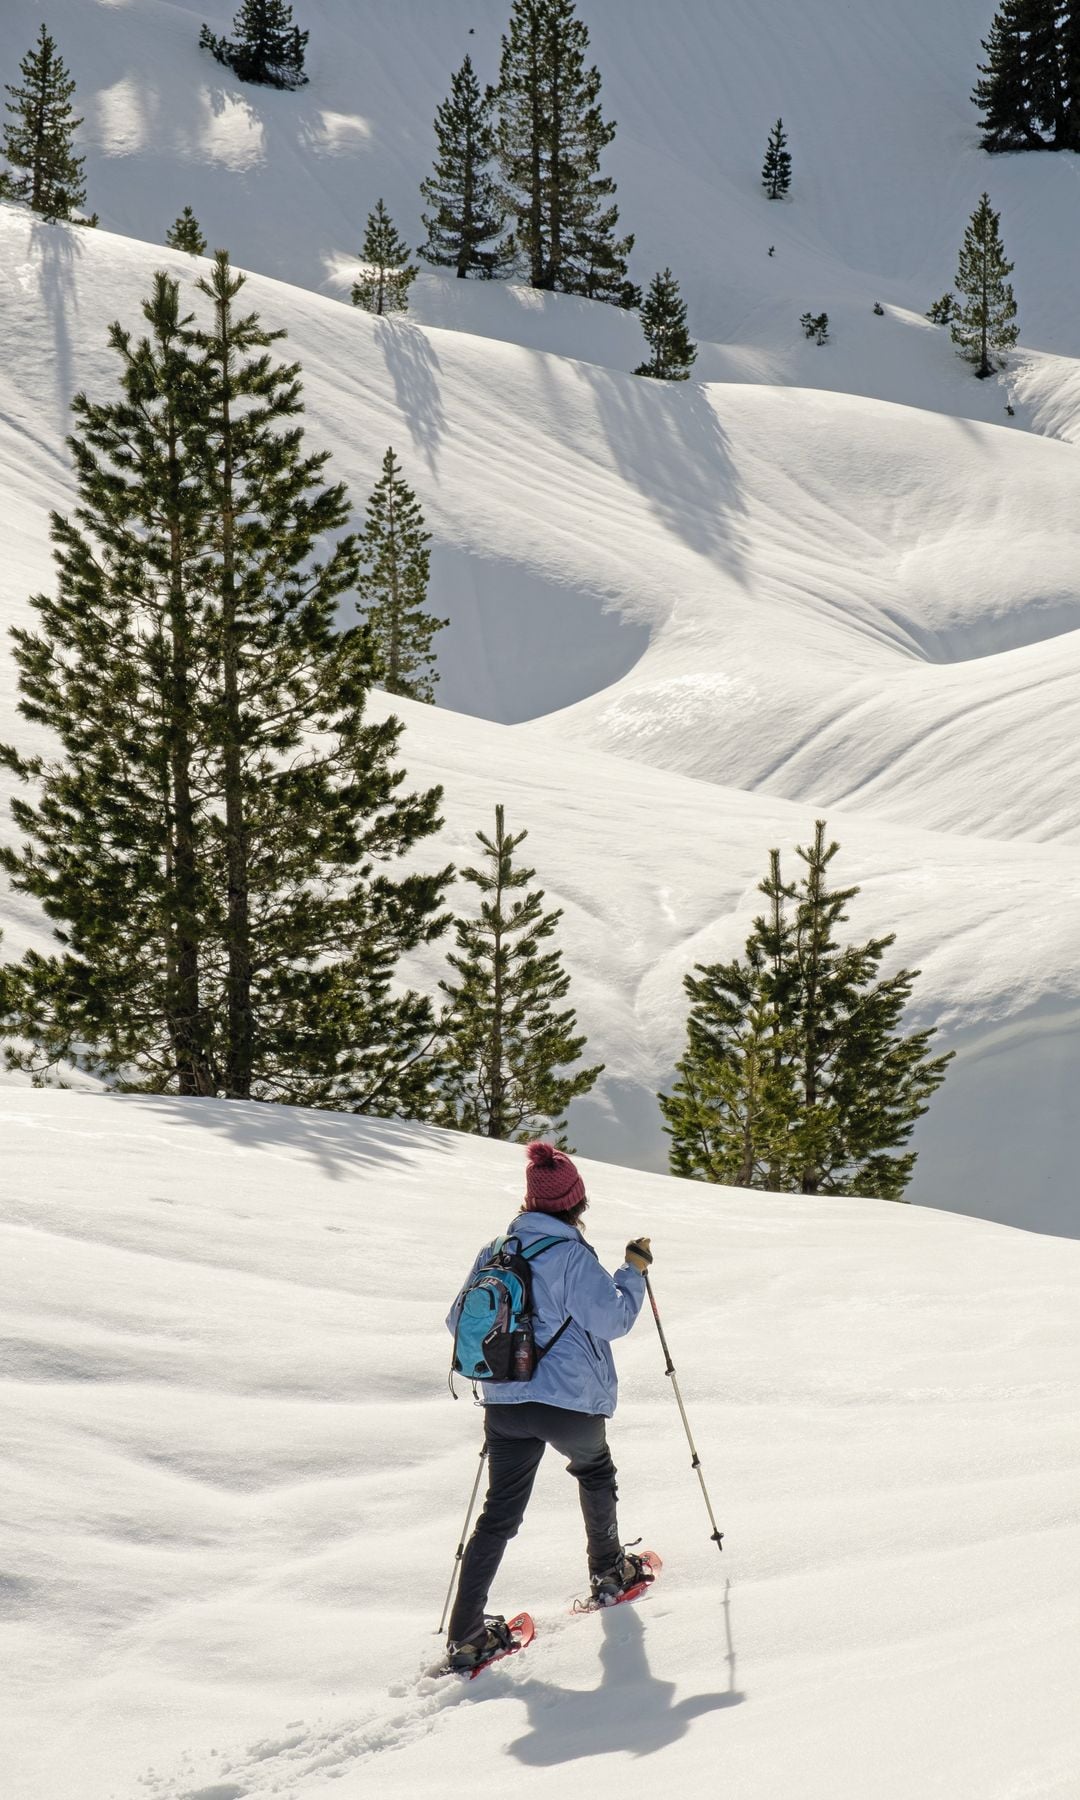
(517, 1435)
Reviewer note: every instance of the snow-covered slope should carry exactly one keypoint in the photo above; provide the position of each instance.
(787, 603)
(233, 1480)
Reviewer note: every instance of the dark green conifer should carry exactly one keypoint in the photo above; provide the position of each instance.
(985, 327)
(776, 170)
(465, 224)
(186, 234)
(44, 172)
(1025, 93)
(796, 1076)
(210, 833)
(663, 320)
(387, 274)
(550, 135)
(393, 584)
(268, 48)
(507, 1063)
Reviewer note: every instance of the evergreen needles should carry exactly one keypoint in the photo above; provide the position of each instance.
(268, 48)
(550, 136)
(387, 275)
(212, 833)
(663, 320)
(186, 234)
(44, 171)
(796, 1076)
(465, 223)
(393, 587)
(984, 327)
(506, 1070)
(776, 169)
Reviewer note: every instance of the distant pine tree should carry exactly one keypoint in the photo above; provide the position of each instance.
(1030, 81)
(186, 234)
(943, 311)
(387, 274)
(508, 1056)
(465, 224)
(776, 170)
(45, 173)
(985, 324)
(550, 136)
(393, 587)
(663, 320)
(211, 835)
(268, 48)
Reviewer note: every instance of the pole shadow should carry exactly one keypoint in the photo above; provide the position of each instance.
(631, 1710)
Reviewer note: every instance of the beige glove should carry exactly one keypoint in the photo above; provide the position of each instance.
(639, 1253)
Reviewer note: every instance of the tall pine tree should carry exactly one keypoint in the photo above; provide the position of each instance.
(550, 135)
(387, 274)
(211, 833)
(796, 1076)
(44, 173)
(268, 48)
(984, 328)
(1029, 85)
(776, 169)
(507, 1065)
(186, 234)
(465, 224)
(393, 584)
(663, 320)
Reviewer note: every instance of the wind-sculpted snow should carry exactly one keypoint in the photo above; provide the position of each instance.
(788, 603)
(233, 1481)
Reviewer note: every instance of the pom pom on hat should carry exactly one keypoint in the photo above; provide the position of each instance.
(552, 1183)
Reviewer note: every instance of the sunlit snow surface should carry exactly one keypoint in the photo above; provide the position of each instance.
(238, 1481)
(831, 581)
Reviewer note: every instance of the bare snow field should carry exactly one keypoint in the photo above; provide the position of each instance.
(836, 581)
(234, 1481)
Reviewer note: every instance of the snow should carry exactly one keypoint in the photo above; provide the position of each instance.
(234, 1480)
(835, 581)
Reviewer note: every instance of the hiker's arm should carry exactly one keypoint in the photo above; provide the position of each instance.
(606, 1305)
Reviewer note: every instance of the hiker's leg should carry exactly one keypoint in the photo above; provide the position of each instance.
(582, 1439)
(513, 1459)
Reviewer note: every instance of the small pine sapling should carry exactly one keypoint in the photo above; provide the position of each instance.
(776, 169)
(985, 326)
(393, 588)
(186, 234)
(943, 311)
(816, 326)
(44, 173)
(663, 320)
(387, 274)
(879, 310)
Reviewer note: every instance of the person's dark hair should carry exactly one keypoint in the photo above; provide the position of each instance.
(572, 1214)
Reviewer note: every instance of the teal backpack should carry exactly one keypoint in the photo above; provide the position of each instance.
(494, 1340)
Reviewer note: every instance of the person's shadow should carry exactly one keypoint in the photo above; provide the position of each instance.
(630, 1710)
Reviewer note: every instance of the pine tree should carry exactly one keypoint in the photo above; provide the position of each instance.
(550, 136)
(38, 138)
(268, 47)
(943, 311)
(663, 320)
(776, 170)
(465, 224)
(393, 587)
(1025, 93)
(186, 234)
(984, 326)
(505, 1041)
(384, 282)
(209, 834)
(796, 1076)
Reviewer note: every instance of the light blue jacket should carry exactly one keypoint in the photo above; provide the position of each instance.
(568, 1282)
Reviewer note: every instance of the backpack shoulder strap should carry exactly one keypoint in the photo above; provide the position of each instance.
(547, 1243)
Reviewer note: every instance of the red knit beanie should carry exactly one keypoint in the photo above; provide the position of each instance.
(552, 1184)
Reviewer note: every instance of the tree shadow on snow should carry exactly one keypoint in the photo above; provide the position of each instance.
(415, 369)
(631, 1710)
(55, 249)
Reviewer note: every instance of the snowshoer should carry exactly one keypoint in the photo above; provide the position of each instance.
(577, 1309)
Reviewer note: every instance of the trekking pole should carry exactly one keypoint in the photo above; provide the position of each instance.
(695, 1460)
(460, 1551)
